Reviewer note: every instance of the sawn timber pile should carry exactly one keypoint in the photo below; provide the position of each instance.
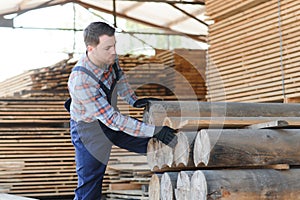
(254, 50)
(37, 156)
(148, 76)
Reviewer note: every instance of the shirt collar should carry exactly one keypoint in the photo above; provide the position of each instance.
(91, 66)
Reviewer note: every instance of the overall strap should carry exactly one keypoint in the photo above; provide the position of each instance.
(108, 92)
(85, 70)
(118, 71)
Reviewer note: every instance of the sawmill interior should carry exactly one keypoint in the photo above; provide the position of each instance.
(228, 76)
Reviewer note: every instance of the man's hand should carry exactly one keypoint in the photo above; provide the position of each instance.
(166, 135)
(140, 103)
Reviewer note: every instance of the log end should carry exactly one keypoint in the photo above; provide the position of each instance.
(183, 186)
(198, 186)
(202, 148)
(166, 187)
(182, 150)
(154, 187)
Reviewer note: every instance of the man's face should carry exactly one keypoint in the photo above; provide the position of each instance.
(104, 52)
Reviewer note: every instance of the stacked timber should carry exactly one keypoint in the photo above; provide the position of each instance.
(184, 72)
(250, 184)
(128, 177)
(37, 156)
(43, 82)
(144, 75)
(254, 50)
(221, 154)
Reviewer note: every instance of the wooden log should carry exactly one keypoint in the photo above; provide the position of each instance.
(247, 147)
(168, 185)
(158, 110)
(159, 155)
(183, 185)
(183, 151)
(154, 187)
(197, 123)
(245, 184)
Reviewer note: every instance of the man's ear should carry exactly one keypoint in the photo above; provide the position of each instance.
(89, 48)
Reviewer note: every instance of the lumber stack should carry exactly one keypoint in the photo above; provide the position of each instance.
(254, 50)
(144, 74)
(50, 82)
(184, 72)
(128, 177)
(37, 156)
(147, 76)
(239, 159)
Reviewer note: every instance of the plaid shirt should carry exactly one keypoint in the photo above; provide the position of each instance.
(89, 102)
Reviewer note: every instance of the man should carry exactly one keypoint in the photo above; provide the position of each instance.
(96, 124)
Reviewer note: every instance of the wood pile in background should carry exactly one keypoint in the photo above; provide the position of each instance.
(185, 73)
(147, 76)
(37, 156)
(43, 82)
(210, 157)
(245, 53)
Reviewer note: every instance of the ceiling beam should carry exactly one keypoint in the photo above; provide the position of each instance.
(201, 38)
(188, 14)
(198, 2)
(21, 10)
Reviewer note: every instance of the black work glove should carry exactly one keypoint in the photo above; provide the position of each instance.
(140, 103)
(166, 135)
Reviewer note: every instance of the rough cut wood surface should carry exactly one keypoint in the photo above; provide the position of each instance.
(154, 187)
(183, 151)
(159, 155)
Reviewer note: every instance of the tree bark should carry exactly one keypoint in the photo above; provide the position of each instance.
(197, 123)
(220, 109)
(261, 184)
(247, 147)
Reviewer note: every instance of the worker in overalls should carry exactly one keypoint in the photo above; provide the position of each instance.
(96, 124)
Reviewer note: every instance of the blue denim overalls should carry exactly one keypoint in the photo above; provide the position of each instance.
(93, 142)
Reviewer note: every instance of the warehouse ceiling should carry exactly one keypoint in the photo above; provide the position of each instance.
(186, 17)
